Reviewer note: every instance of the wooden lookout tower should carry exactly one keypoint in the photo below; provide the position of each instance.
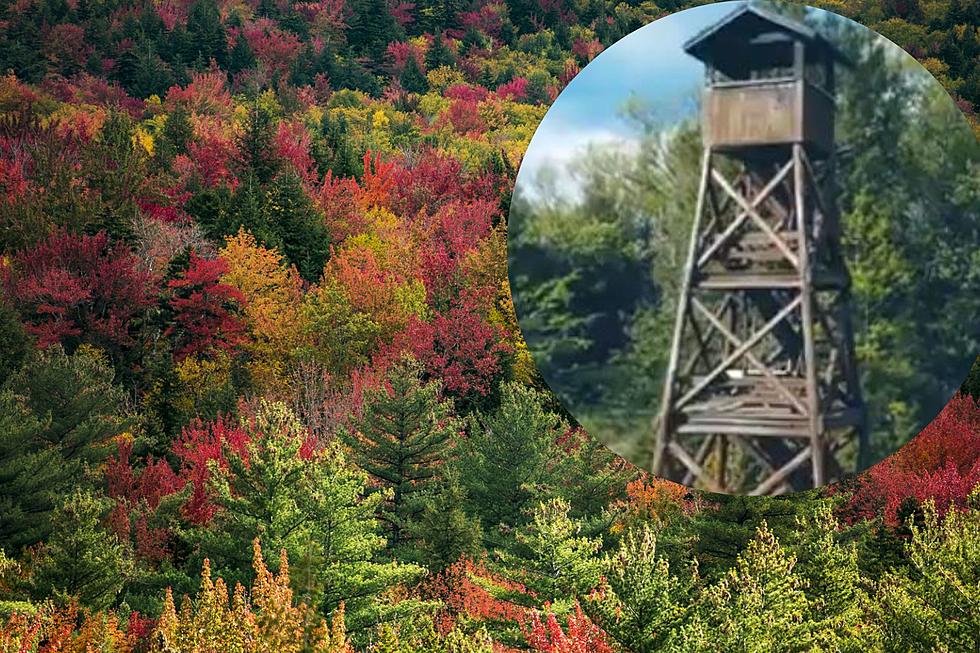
(761, 394)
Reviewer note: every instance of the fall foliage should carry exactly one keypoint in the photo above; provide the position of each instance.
(262, 386)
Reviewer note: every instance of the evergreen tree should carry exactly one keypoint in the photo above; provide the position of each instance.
(177, 133)
(150, 23)
(207, 39)
(401, 440)
(301, 234)
(551, 558)
(309, 502)
(839, 605)
(255, 152)
(241, 56)
(334, 150)
(15, 344)
(30, 477)
(350, 73)
(115, 170)
(759, 605)
(934, 608)
(142, 72)
(435, 16)
(81, 560)
(641, 602)
(279, 215)
(79, 408)
(439, 53)
(19, 49)
(723, 533)
(593, 478)
(509, 460)
(372, 27)
(413, 78)
(443, 532)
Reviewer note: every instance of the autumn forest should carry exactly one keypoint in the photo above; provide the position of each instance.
(262, 386)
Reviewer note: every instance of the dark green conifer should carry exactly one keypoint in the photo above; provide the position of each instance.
(401, 440)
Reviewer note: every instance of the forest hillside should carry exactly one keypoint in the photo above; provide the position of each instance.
(262, 386)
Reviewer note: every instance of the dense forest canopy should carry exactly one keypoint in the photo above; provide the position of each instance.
(262, 386)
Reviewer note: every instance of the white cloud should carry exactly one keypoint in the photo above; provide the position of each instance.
(556, 148)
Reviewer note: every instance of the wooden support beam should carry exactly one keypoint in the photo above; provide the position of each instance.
(663, 437)
(743, 216)
(806, 316)
(755, 362)
(703, 348)
(699, 457)
(779, 476)
(739, 281)
(822, 204)
(685, 459)
(747, 429)
(757, 219)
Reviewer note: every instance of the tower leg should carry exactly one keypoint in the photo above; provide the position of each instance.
(664, 432)
(817, 445)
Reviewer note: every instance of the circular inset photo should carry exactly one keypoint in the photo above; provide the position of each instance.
(743, 247)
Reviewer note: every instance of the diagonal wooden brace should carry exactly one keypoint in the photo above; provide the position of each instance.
(681, 454)
(757, 219)
(740, 219)
(773, 380)
(780, 475)
(739, 351)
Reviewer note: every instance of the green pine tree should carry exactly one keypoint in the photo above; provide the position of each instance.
(401, 440)
(552, 558)
(372, 27)
(435, 16)
(177, 133)
(30, 477)
(758, 606)
(839, 604)
(934, 608)
(241, 56)
(207, 39)
(413, 78)
(299, 227)
(255, 150)
(81, 560)
(313, 505)
(443, 532)
(74, 399)
(439, 54)
(15, 344)
(641, 603)
(509, 461)
(334, 148)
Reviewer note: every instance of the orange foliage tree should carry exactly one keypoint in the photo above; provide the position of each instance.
(273, 296)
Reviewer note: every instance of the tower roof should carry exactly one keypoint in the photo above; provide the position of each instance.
(749, 26)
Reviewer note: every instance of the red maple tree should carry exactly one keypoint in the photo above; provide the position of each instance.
(73, 289)
(205, 310)
(942, 463)
(579, 635)
(198, 445)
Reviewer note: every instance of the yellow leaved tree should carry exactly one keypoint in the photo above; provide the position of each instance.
(262, 620)
(273, 300)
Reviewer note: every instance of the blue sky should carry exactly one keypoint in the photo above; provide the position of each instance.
(649, 64)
